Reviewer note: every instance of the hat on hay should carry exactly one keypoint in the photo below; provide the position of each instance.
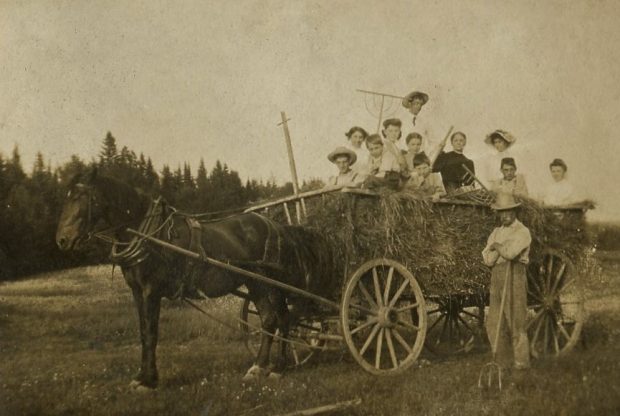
(342, 151)
(415, 94)
(502, 134)
(504, 201)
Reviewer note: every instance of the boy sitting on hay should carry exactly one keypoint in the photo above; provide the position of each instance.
(424, 182)
(384, 167)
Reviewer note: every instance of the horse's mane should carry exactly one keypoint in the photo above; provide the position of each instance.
(120, 194)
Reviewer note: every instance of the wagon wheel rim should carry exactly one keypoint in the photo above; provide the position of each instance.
(388, 341)
(454, 323)
(555, 305)
(302, 333)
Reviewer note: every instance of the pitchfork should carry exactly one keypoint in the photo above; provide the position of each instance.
(493, 368)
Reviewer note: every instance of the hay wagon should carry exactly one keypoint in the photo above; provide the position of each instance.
(412, 276)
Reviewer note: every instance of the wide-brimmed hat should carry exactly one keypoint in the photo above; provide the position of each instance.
(504, 201)
(502, 134)
(409, 98)
(339, 151)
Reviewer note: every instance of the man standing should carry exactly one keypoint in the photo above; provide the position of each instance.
(414, 101)
(507, 253)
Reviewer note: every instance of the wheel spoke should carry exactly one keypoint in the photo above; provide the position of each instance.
(563, 288)
(379, 348)
(546, 336)
(408, 307)
(555, 340)
(401, 340)
(364, 325)
(435, 323)
(540, 312)
(536, 285)
(564, 331)
(473, 315)
(390, 344)
(535, 296)
(540, 320)
(370, 338)
(558, 278)
(366, 294)
(295, 355)
(443, 328)
(388, 284)
(375, 279)
(433, 311)
(549, 270)
(399, 292)
(465, 324)
(407, 325)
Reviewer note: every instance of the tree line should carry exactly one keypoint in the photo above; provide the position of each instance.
(30, 202)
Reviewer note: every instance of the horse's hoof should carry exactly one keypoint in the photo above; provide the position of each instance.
(143, 389)
(138, 386)
(254, 373)
(274, 376)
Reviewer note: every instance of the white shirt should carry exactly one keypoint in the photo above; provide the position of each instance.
(559, 193)
(515, 238)
(360, 166)
(488, 169)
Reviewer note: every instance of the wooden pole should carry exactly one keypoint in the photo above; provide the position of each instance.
(380, 114)
(289, 148)
(291, 162)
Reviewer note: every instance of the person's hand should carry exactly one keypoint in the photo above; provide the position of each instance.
(435, 198)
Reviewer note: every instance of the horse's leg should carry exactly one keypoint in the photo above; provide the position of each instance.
(148, 305)
(269, 322)
(283, 316)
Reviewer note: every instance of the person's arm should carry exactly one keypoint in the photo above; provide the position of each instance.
(489, 254)
(513, 247)
(521, 186)
(439, 189)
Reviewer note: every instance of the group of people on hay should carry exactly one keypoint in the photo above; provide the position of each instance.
(433, 173)
(375, 161)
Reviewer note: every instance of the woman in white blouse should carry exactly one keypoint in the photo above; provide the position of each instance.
(561, 191)
(501, 141)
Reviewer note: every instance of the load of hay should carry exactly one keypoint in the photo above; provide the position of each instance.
(440, 243)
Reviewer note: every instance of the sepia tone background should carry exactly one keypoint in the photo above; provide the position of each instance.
(188, 80)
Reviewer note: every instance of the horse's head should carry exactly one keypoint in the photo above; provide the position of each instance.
(81, 210)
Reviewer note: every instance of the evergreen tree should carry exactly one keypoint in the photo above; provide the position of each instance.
(168, 189)
(108, 151)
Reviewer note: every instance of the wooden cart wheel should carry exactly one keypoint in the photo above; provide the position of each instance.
(304, 332)
(454, 323)
(555, 305)
(376, 317)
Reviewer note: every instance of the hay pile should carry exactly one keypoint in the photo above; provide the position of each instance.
(440, 243)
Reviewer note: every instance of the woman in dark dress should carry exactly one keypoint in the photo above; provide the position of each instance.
(450, 164)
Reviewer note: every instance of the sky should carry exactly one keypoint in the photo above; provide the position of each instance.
(181, 81)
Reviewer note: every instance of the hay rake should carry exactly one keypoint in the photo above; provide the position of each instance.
(382, 111)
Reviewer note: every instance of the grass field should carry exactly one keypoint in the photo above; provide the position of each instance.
(69, 346)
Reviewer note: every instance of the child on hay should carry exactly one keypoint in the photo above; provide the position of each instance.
(561, 191)
(384, 169)
(512, 182)
(507, 253)
(424, 182)
(356, 137)
(392, 134)
(450, 164)
(343, 158)
(414, 149)
(501, 141)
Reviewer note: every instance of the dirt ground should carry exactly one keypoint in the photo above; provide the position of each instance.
(69, 346)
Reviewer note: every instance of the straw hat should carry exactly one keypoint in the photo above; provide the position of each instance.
(502, 134)
(504, 201)
(415, 94)
(342, 151)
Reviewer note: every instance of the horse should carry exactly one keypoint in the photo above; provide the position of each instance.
(100, 206)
